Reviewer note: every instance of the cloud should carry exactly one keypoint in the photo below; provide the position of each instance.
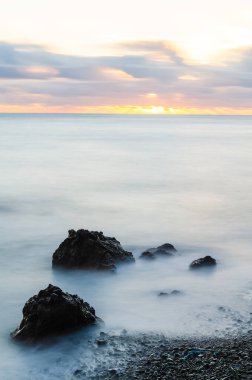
(32, 75)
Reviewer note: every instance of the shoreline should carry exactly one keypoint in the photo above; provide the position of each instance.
(156, 357)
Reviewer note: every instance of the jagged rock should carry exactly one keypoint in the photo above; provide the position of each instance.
(52, 312)
(91, 250)
(163, 250)
(203, 262)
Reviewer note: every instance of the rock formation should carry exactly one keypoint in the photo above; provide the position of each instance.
(90, 250)
(163, 250)
(203, 262)
(53, 312)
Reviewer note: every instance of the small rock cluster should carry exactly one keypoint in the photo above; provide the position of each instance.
(52, 311)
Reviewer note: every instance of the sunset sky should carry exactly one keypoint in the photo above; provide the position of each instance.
(141, 56)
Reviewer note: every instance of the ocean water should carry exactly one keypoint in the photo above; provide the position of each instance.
(146, 180)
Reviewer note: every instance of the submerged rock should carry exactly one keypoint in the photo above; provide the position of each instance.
(203, 262)
(172, 293)
(91, 250)
(53, 312)
(163, 250)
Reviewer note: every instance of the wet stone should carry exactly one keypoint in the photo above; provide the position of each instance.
(164, 250)
(53, 312)
(84, 249)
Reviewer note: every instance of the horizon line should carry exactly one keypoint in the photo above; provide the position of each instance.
(120, 114)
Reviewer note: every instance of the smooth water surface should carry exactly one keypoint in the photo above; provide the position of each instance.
(146, 180)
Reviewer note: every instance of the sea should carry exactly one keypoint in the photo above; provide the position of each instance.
(146, 180)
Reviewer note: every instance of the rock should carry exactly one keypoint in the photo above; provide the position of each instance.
(163, 250)
(175, 292)
(147, 255)
(194, 353)
(203, 262)
(85, 249)
(161, 294)
(78, 372)
(172, 293)
(103, 335)
(113, 371)
(101, 342)
(52, 312)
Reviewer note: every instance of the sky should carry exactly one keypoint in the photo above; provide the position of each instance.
(114, 56)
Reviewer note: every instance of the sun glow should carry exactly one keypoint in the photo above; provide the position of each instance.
(151, 95)
(40, 70)
(188, 77)
(125, 109)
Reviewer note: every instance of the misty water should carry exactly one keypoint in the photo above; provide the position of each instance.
(146, 180)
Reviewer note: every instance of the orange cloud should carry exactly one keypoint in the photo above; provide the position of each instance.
(42, 81)
(41, 70)
(116, 74)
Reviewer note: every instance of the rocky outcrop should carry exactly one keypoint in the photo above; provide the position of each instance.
(163, 250)
(204, 262)
(90, 250)
(53, 312)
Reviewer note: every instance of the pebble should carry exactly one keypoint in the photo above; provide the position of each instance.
(181, 359)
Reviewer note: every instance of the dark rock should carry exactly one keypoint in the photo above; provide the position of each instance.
(113, 371)
(172, 293)
(101, 342)
(175, 292)
(163, 250)
(52, 312)
(148, 255)
(78, 372)
(206, 261)
(91, 250)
